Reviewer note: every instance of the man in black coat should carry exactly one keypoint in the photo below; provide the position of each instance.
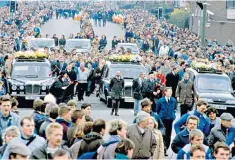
(150, 91)
(116, 86)
(137, 92)
(55, 39)
(172, 80)
(58, 87)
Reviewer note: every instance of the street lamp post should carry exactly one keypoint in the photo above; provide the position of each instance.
(203, 26)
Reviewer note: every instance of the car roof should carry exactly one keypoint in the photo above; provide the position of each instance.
(44, 61)
(123, 64)
(44, 39)
(130, 44)
(88, 40)
(207, 74)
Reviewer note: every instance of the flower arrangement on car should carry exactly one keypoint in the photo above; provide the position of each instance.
(30, 55)
(204, 65)
(124, 58)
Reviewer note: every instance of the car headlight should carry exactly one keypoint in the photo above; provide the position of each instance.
(44, 87)
(230, 101)
(14, 87)
(207, 100)
(21, 87)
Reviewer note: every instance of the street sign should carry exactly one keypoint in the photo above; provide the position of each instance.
(208, 25)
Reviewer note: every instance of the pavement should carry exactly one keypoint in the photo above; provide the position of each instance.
(99, 109)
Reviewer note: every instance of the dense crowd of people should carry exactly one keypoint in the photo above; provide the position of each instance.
(59, 129)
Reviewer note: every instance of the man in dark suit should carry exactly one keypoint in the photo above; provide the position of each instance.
(55, 39)
(137, 90)
(172, 80)
(61, 64)
(149, 89)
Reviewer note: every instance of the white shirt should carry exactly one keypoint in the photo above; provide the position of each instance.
(163, 50)
(167, 99)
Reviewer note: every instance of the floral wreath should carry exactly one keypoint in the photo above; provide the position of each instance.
(31, 55)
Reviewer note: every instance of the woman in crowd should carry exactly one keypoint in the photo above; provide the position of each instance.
(117, 131)
(10, 133)
(124, 149)
(159, 152)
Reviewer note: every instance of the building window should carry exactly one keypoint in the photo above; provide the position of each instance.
(230, 4)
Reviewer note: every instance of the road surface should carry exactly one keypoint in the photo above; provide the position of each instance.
(60, 26)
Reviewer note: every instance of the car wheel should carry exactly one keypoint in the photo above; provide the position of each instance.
(109, 103)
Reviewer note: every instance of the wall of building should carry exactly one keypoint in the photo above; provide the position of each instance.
(220, 27)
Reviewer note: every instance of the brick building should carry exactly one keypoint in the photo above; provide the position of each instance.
(220, 20)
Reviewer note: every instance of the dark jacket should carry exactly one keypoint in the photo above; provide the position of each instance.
(166, 110)
(90, 77)
(38, 120)
(56, 89)
(41, 153)
(61, 66)
(65, 125)
(62, 42)
(116, 86)
(103, 43)
(90, 143)
(149, 88)
(172, 81)
(56, 40)
(181, 139)
(137, 89)
(72, 75)
(114, 43)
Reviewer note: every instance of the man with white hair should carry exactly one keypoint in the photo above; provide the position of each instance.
(49, 98)
(142, 136)
(82, 76)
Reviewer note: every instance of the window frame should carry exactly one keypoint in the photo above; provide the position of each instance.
(230, 7)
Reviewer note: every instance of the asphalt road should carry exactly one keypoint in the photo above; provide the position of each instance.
(60, 26)
(99, 109)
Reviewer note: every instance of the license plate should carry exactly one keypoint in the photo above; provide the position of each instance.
(220, 107)
(129, 100)
(30, 97)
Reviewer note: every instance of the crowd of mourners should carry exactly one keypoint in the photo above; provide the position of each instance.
(60, 129)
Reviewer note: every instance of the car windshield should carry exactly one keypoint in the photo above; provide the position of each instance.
(133, 48)
(126, 72)
(78, 44)
(31, 71)
(42, 43)
(214, 84)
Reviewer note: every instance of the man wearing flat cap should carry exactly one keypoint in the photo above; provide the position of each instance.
(142, 136)
(18, 151)
(221, 132)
